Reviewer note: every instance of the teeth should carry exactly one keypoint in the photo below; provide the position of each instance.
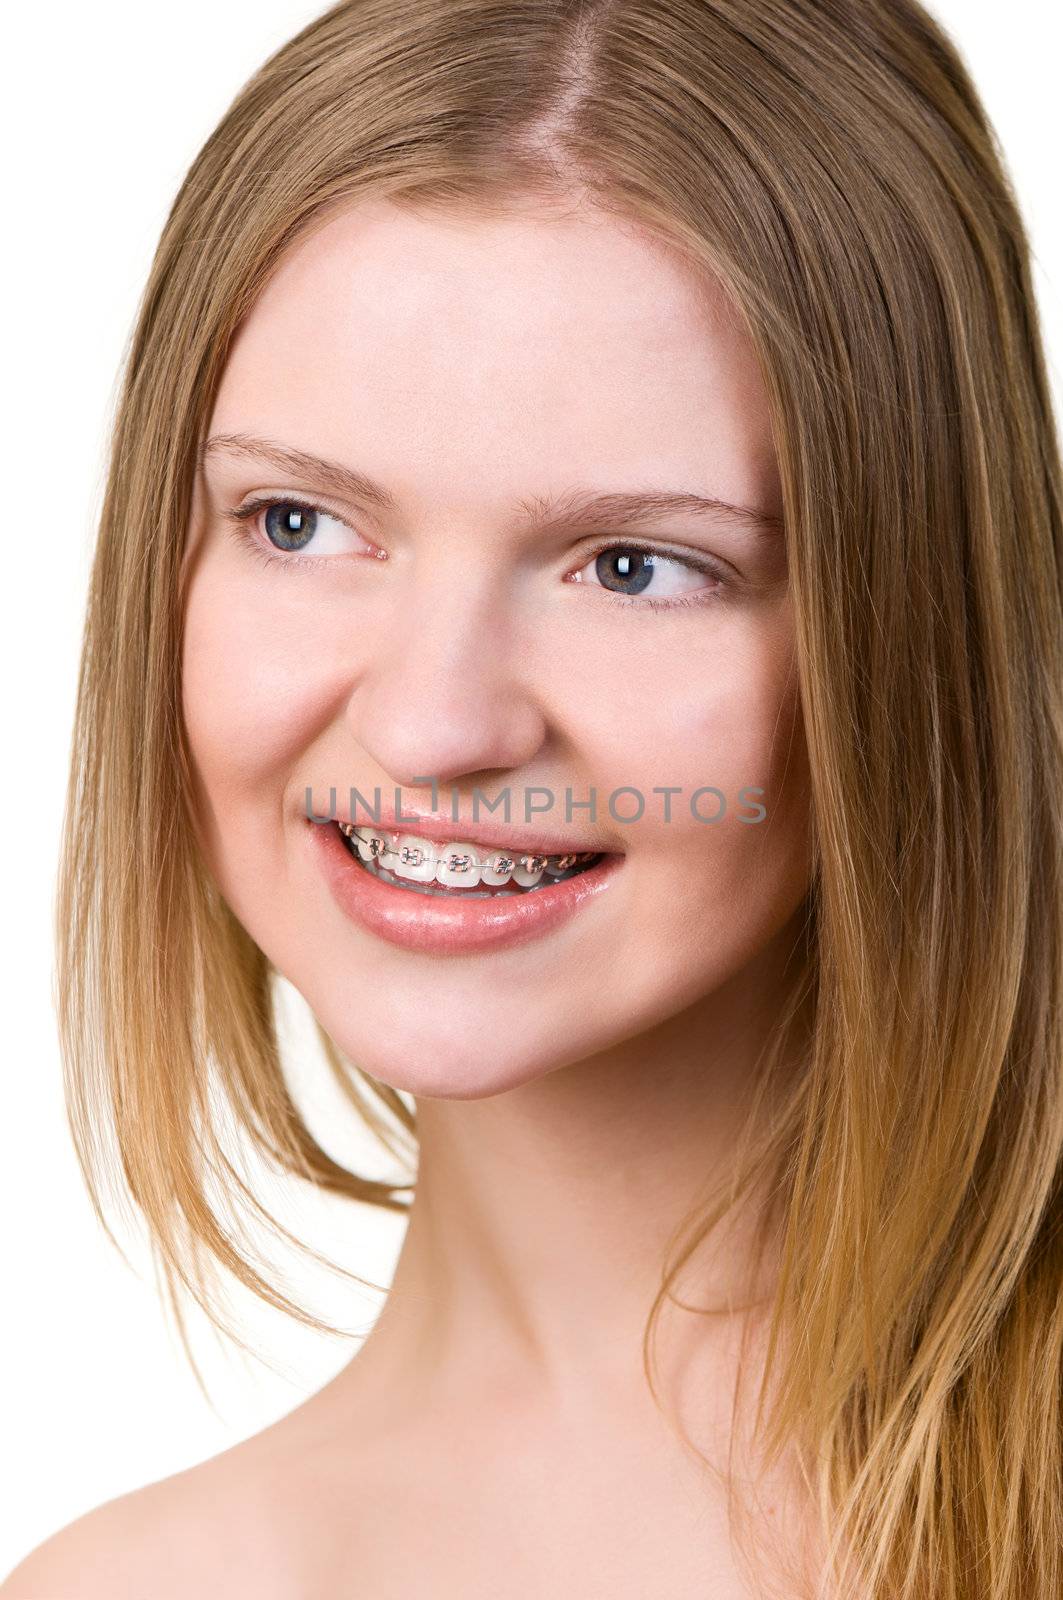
(458, 865)
(414, 859)
(378, 871)
(497, 868)
(529, 870)
(371, 842)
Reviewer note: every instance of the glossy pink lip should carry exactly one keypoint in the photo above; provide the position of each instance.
(437, 926)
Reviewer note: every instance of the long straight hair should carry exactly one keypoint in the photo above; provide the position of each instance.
(830, 162)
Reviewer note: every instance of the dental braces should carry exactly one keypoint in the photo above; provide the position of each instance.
(380, 846)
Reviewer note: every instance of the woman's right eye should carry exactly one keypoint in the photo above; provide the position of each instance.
(295, 526)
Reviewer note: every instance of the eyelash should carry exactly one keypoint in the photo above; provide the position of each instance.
(242, 518)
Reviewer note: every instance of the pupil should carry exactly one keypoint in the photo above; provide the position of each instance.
(290, 527)
(629, 571)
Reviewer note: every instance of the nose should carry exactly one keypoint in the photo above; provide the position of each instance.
(450, 694)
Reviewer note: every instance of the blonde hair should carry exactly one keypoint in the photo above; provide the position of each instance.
(831, 162)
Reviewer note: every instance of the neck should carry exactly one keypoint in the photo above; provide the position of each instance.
(543, 1215)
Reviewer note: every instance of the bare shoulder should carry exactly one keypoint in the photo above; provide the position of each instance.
(101, 1552)
(202, 1531)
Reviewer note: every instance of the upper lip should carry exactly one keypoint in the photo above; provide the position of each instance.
(440, 827)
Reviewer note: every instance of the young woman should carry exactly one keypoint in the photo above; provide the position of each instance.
(579, 595)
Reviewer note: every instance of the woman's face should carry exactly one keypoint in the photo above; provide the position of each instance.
(473, 616)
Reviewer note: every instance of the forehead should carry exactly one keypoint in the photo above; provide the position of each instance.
(491, 350)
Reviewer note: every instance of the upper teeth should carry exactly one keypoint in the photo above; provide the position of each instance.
(459, 865)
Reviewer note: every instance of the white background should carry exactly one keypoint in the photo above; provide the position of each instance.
(105, 105)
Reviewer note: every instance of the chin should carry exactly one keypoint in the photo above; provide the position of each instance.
(436, 1059)
(452, 1077)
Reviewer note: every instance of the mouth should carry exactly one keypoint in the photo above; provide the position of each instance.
(460, 870)
(442, 900)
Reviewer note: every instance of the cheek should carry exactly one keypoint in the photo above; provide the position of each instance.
(753, 866)
(724, 715)
(739, 731)
(742, 733)
(252, 707)
(250, 698)
(711, 892)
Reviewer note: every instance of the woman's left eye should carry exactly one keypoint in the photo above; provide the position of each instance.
(293, 526)
(633, 571)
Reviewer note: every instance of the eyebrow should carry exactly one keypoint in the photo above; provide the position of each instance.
(542, 513)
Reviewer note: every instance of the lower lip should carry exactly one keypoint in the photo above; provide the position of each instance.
(435, 925)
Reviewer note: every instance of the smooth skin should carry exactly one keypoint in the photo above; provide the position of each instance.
(495, 1436)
